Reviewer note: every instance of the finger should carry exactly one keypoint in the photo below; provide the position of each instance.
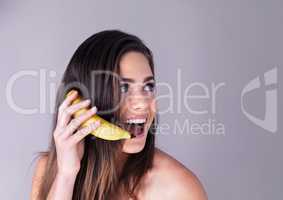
(76, 122)
(66, 116)
(82, 133)
(68, 100)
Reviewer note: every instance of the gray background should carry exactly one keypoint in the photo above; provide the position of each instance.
(209, 41)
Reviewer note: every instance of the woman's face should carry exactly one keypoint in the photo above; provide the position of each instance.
(138, 105)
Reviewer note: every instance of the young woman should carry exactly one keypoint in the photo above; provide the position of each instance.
(114, 72)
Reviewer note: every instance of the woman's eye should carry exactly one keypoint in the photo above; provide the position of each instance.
(149, 87)
(124, 87)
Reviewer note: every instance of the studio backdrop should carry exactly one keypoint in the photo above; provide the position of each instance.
(218, 74)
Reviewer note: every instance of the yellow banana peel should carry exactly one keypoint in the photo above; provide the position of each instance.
(106, 130)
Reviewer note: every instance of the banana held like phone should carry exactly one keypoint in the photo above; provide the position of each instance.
(106, 130)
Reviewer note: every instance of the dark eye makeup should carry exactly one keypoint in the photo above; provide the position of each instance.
(148, 87)
(124, 87)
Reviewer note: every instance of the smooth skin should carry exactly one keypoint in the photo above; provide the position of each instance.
(137, 94)
(168, 179)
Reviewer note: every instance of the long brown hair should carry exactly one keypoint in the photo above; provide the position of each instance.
(98, 177)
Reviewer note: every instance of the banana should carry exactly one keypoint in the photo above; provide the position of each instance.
(106, 130)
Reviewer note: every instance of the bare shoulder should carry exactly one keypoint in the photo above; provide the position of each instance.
(169, 179)
(38, 175)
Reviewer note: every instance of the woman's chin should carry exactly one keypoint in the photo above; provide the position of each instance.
(132, 148)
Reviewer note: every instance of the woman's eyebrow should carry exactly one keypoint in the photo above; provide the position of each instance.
(133, 81)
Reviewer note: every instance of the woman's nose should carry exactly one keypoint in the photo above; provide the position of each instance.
(138, 103)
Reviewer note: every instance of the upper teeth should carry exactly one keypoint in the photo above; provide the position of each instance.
(136, 121)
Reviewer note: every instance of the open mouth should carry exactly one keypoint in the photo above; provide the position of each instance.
(135, 127)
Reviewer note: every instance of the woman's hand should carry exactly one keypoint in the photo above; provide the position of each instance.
(68, 138)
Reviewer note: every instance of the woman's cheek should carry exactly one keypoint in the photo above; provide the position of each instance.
(153, 105)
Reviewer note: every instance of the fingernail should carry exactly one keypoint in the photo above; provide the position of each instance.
(94, 109)
(87, 101)
(72, 92)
